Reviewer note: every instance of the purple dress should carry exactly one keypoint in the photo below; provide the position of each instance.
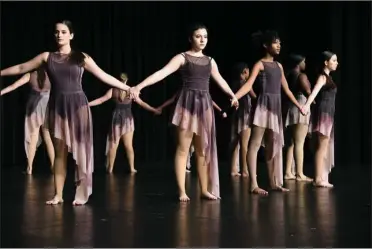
(268, 112)
(68, 118)
(194, 111)
(323, 119)
(35, 108)
(122, 119)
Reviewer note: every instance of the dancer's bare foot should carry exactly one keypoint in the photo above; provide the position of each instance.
(303, 178)
(322, 184)
(184, 198)
(56, 200)
(208, 196)
(188, 171)
(235, 173)
(245, 174)
(259, 191)
(289, 176)
(77, 203)
(279, 189)
(133, 171)
(109, 171)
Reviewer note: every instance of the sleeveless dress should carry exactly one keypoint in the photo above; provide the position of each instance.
(194, 111)
(294, 115)
(323, 120)
(35, 108)
(122, 119)
(68, 118)
(268, 112)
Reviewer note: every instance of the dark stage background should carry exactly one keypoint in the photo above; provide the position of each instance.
(140, 38)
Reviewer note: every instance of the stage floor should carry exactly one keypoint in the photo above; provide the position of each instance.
(143, 211)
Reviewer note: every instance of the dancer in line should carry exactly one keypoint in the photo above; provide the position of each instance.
(193, 114)
(297, 123)
(122, 124)
(35, 114)
(68, 117)
(323, 113)
(267, 119)
(241, 121)
(192, 149)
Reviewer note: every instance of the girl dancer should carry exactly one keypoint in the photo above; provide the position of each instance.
(35, 114)
(68, 116)
(122, 124)
(267, 119)
(194, 112)
(295, 121)
(323, 119)
(191, 151)
(241, 121)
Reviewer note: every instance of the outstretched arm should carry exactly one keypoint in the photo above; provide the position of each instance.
(92, 67)
(286, 89)
(147, 106)
(27, 66)
(20, 82)
(247, 87)
(102, 99)
(319, 84)
(168, 102)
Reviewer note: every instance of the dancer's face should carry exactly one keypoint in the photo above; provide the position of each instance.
(199, 39)
(332, 63)
(245, 74)
(303, 65)
(62, 34)
(274, 48)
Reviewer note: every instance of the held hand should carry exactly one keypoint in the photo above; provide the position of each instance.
(224, 115)
(134, 93)
(304, 110)
(158, 111)
(235, 102)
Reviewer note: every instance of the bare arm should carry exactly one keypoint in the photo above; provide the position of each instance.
(168, 102)
(216, 106)
(286, 89)
(220, 81)
(319, 84)
(305, 83)
(252, 94)
(23, 80)
(248, 85)
(146, 106)
(27, 66)
(102, 99)
(173, 65)
(92, 67)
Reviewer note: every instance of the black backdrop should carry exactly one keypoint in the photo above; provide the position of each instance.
(141, 37)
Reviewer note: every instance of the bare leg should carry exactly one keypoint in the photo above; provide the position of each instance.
(270, 162)
(289, 157)
(60, 168)
(184, 138)
(188, 164)
(254, 146)
(49, 147)
(300, 131)
(111, 156)
(234, 157)
(32, 150)
(128, 145)
(202, 169)
(244, 140)
(320, 179)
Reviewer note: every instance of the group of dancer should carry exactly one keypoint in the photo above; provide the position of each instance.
(59, 107)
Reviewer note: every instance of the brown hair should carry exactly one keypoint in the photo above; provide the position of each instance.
(123, 94)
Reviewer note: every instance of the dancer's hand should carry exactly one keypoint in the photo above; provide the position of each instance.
(134, 92)
(235, 102)
(304, 110)
(224, 115)
(158, 111)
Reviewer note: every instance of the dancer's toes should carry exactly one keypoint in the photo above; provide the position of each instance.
(259, 191)
(133, 171)
(289, 176)
(188, 171)
(235, 173)
(279, 189)
(303, 178)
(184, 198)
(208, 196)
(322, 184)
(77, 203)
(56, 200)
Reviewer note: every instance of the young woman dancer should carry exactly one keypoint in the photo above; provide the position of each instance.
(35, 114)
(241, 121)
(323, 113)
(122, 124)
(192, 149)
(194, 115)
(297, 123)
(267, 119)
(68, 117)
